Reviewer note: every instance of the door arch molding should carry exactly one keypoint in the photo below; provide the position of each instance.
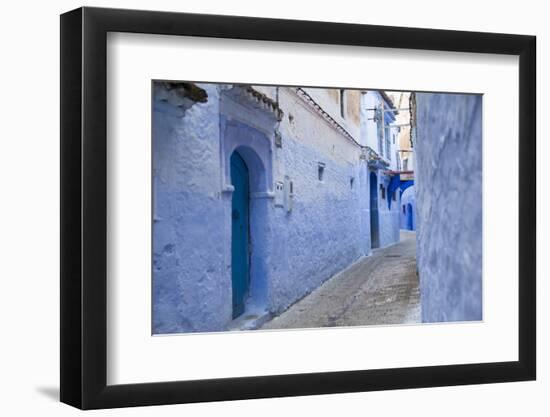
(253, 147)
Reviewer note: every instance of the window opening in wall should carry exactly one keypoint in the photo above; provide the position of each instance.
(383, 191)
(320, 171)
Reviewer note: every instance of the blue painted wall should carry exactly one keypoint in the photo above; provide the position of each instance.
(448, 182)
(189, 258)
(322, 234)
(388, 217)
(297, 241)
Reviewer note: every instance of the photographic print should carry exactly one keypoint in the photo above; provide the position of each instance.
(283, 207)
(307, 202)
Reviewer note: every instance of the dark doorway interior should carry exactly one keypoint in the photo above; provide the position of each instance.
(410, 217)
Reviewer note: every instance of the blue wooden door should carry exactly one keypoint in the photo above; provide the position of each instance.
(410, 217)
(374, 227)
(239, 233)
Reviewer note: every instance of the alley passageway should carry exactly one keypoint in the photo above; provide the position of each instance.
(378, 289)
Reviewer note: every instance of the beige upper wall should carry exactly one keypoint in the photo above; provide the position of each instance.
(334, 94)
(353, 105)
(401, 101)
(305, 123)
(329, 100)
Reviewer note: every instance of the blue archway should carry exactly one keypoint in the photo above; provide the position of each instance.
(396, 183)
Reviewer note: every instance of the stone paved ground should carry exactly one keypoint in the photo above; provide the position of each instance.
(378, 289)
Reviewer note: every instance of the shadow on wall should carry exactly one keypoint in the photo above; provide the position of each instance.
(449, 212)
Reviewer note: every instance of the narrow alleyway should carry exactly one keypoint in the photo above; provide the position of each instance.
(379, 289)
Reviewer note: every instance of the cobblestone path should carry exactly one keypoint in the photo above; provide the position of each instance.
(378, 289)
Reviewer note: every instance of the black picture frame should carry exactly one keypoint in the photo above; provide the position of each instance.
(84, 207)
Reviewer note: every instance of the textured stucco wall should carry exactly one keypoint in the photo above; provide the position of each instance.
(325, 98)
(448, 186)
(353, 106)
(294, 249)
(388, 216)
(323, 233)
(188, 257)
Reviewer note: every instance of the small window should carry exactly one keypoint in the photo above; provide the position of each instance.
(320, 171)
(342, 103)
(383, 192)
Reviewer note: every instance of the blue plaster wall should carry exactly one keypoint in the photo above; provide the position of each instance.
(388, 217)
(191, 283)
(448, 182)
(293, 252)
(322, 234)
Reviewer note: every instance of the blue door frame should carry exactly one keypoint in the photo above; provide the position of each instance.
(240, 260)
(374, 226)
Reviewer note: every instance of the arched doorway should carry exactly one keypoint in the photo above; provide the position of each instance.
(374, 226)
(247, 178)
(240, 233)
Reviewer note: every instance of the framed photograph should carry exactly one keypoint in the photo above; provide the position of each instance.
(257, 208)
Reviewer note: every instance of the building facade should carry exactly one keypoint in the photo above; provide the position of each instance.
(260, 194)
(405, 159)
(378, 134)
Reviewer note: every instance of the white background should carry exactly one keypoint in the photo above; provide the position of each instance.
(134, 356)
(29, 212)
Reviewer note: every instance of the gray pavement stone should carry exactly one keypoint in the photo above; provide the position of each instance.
(376, 290)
